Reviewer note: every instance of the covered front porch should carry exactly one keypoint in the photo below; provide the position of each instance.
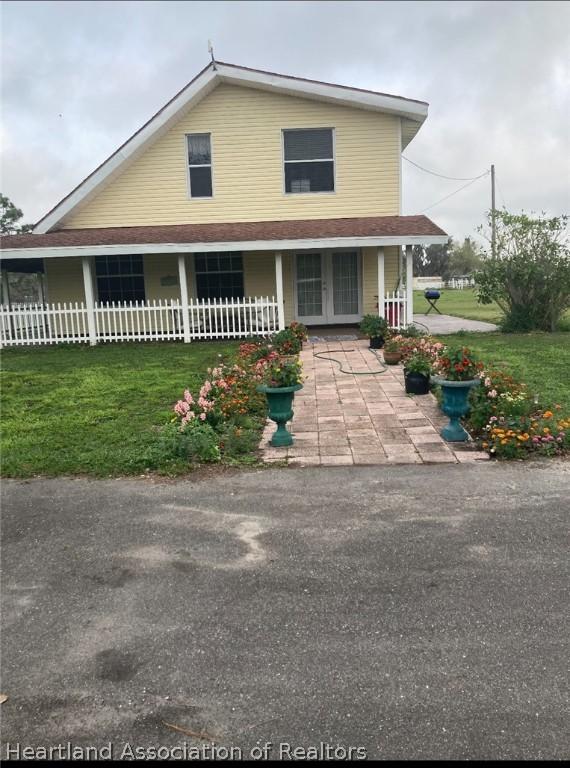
(129, 291)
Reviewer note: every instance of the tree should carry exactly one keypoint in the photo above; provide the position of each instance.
(432, 261)
(10, 217)
(464, 259)
(529, 275)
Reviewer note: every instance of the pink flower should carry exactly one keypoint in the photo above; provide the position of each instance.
(188, 396)
(181, 408)
(185, 419)
(202, 417)
(492, 393)
(536, 440)
(487, 382)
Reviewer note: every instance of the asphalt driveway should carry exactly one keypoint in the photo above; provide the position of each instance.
(414, 611)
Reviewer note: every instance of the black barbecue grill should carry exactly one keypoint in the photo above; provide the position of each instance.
(432, 297)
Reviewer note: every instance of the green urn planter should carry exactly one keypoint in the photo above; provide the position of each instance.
(455, 404)
(280, 402)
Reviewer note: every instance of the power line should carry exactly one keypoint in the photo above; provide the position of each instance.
(441, 176)
(456, 192)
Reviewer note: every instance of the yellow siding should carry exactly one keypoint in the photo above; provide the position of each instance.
(259, 273)
(370, 276)
(246, 127)
(159, 267)
(391, 270)
(64, 279)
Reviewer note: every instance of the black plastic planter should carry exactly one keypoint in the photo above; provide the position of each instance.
(416, 383)
(377, 342)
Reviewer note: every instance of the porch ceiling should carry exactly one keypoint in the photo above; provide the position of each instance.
(240, 236)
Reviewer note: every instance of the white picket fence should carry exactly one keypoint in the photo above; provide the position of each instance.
(395, 304)
(460, 283)
(27, 324)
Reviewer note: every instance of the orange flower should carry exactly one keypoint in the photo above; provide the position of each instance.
(547, 415)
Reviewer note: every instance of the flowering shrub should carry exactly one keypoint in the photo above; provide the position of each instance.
(299, 330)
(499, 394)
(222, 419)
(426, 345)
(286, 342)
(506, 423)
(419, 362)
(542, 432)
(458, 364)
(282, 373)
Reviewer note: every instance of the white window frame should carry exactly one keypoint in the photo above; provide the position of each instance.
(320, 159)
(209, 165)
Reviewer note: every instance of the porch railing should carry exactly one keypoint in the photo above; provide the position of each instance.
(28, 324)
(395, 305)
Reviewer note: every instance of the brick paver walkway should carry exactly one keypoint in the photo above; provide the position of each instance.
(347, 419)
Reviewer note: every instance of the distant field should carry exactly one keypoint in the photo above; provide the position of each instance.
(459, 303)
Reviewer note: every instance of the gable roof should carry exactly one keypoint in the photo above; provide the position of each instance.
(412, 112)
(241, 236)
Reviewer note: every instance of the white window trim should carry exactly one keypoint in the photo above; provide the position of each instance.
(320, 160)
(198, 165)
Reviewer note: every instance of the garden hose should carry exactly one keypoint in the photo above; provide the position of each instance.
(352, 373)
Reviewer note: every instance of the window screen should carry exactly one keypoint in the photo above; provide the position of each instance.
(309, 163)
(200, 164)
(120, 278)
(219, 275)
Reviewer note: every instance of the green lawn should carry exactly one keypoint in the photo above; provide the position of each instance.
(542, 360)
(76, 409)
(458, 303)
(464, 304)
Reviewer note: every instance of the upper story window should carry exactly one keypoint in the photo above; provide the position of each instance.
(120, 278)
(309, 160)
(200, 164)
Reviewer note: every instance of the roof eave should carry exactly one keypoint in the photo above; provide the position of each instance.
(221, 246)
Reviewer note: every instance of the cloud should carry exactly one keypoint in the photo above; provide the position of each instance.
(79, 78)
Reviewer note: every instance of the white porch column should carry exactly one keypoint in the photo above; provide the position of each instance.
(381, 283)
(184, 297)
(409, 285)
(87, 262)
(5, 289)
(279, 289)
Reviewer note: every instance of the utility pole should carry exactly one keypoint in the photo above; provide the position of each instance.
(493, 226)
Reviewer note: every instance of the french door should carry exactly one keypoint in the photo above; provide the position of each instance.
(328, 287)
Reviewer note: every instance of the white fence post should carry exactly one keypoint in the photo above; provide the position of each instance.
(184, 297)
(87, 262)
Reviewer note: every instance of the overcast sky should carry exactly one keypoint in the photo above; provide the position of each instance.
(78, 78)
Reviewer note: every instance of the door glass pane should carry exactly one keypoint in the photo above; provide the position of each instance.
(345, 283)
(309, 285)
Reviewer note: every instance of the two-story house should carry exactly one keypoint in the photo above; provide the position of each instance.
(249, 200)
